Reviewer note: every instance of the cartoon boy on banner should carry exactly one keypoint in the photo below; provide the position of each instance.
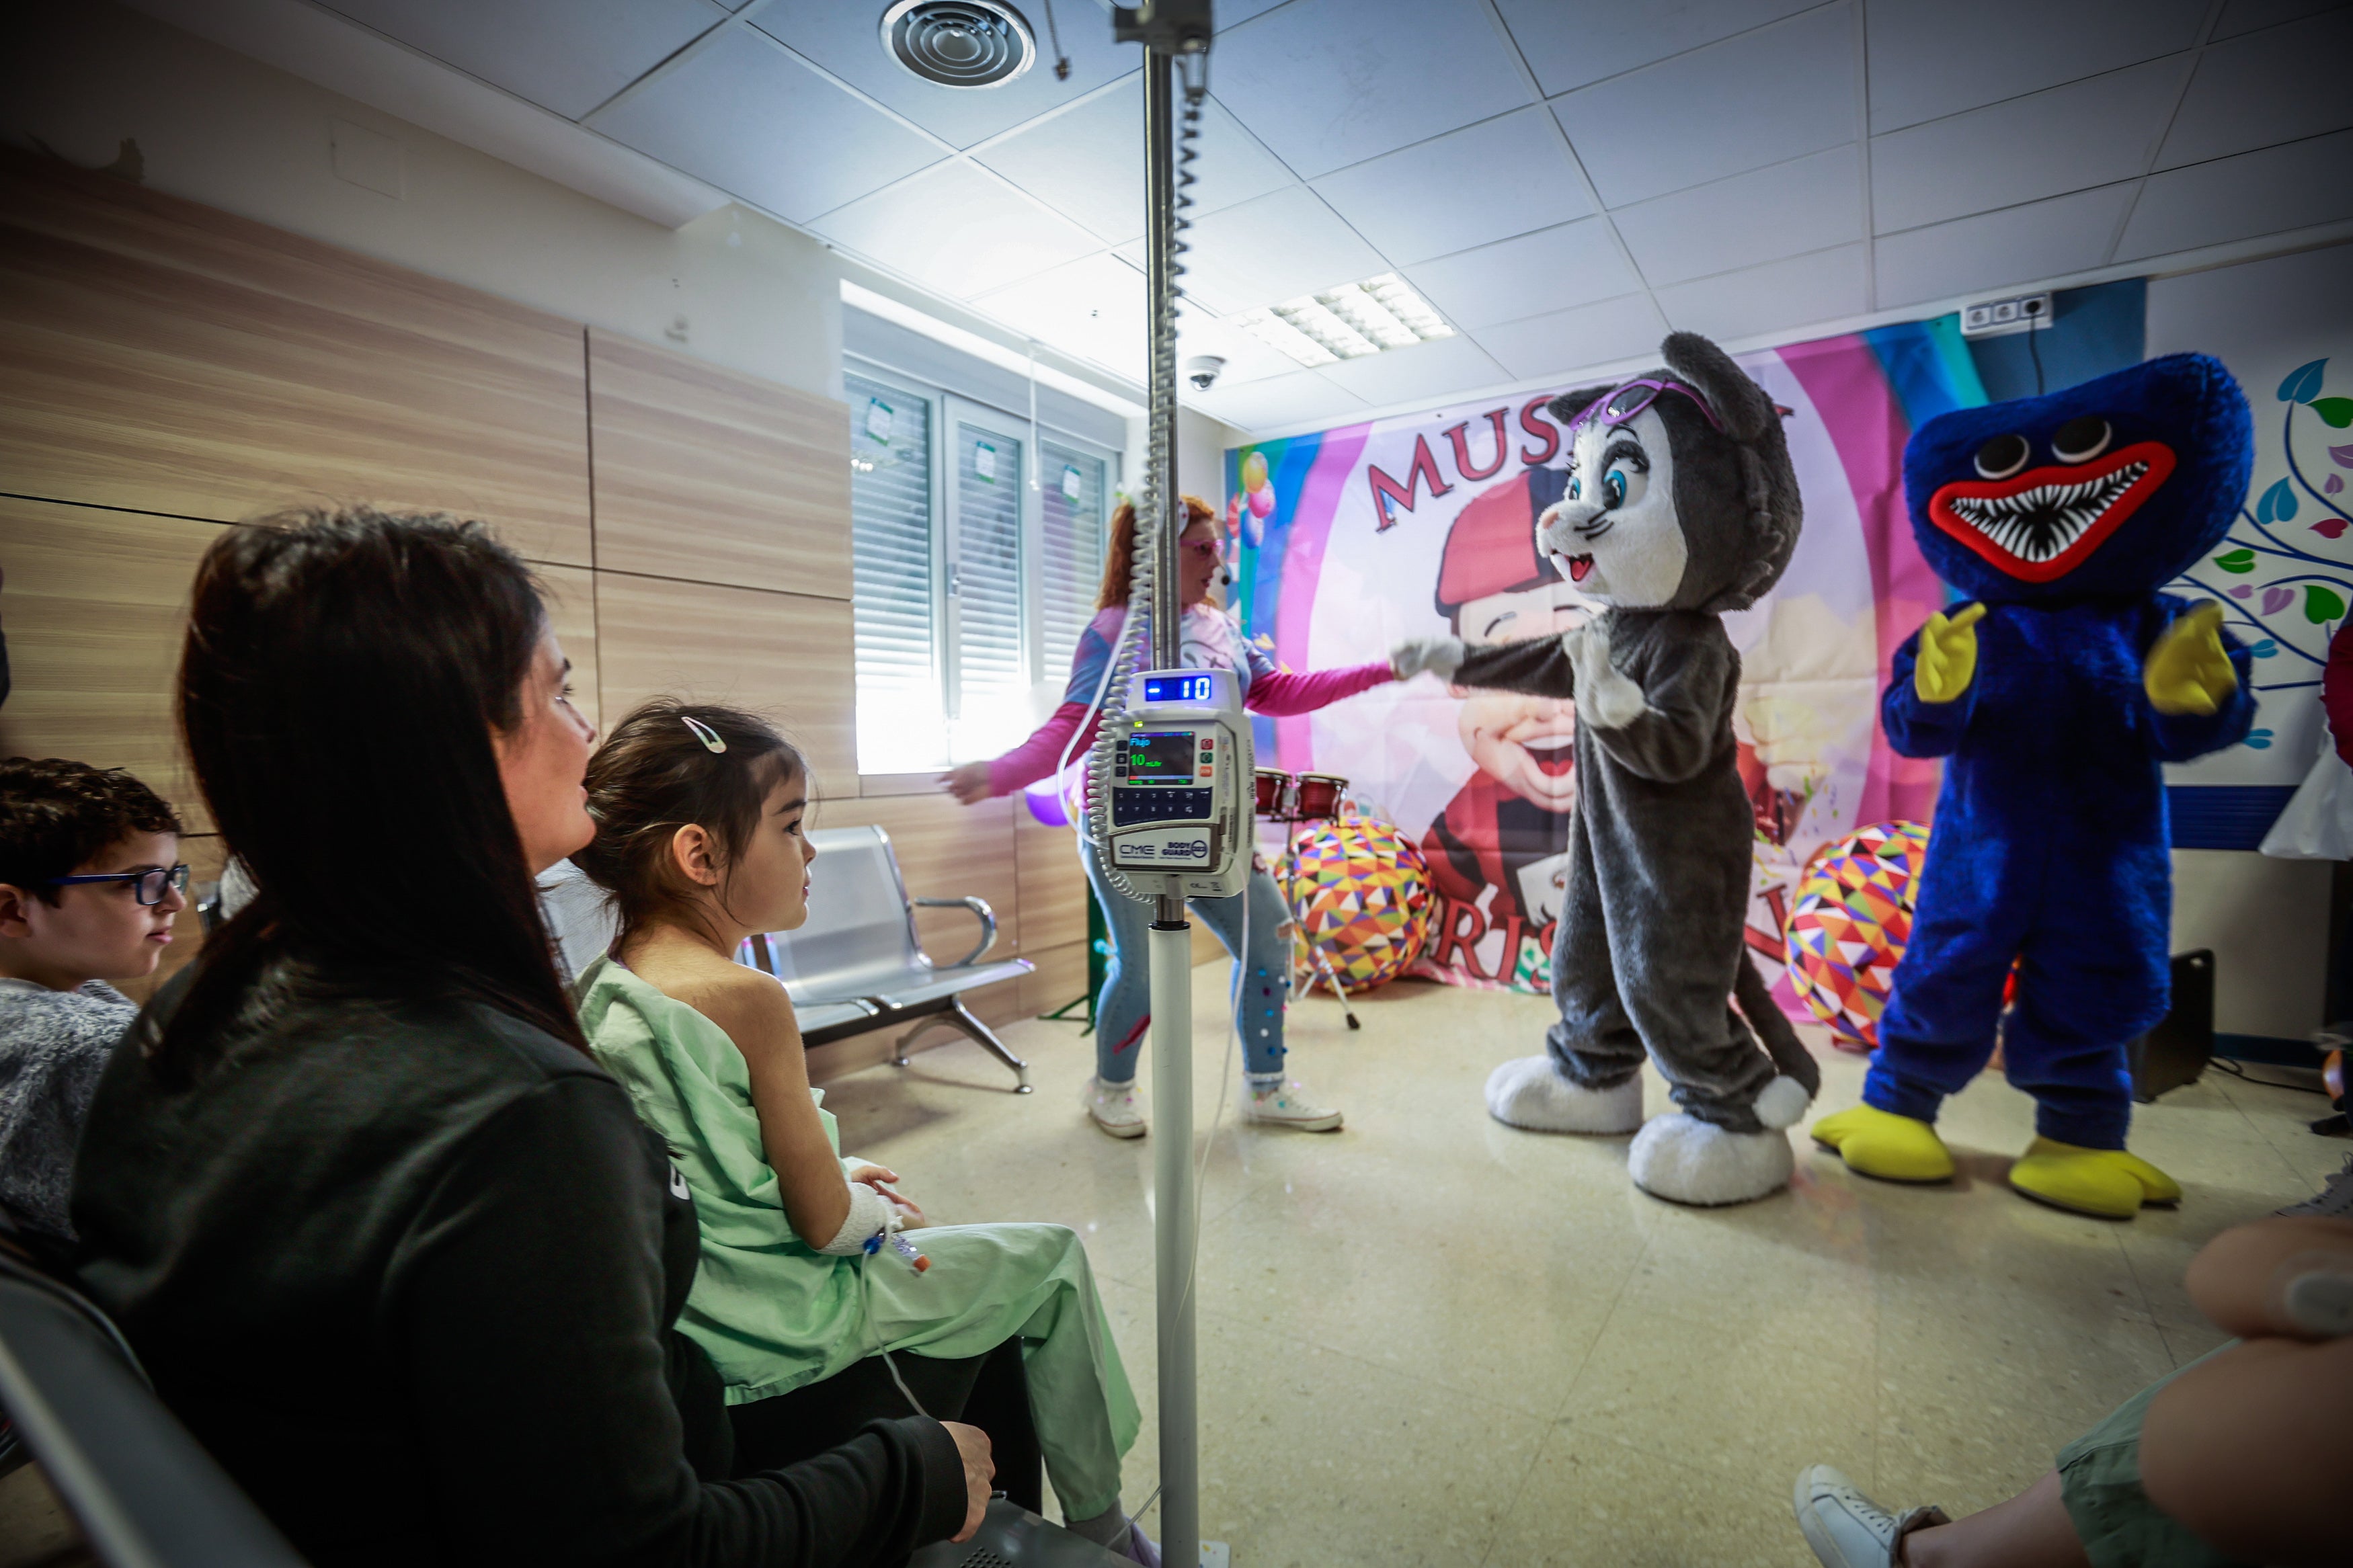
(1496, 851)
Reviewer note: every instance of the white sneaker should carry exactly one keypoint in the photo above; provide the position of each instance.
(1846, 1529)
(1288, 1104)
(1113, 1108)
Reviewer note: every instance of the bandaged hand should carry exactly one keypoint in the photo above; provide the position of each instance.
(1947, 659)
(881, 1178)
(2187, 670)
(1442, 657)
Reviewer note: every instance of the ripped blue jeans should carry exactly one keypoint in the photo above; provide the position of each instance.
(1124, 1011)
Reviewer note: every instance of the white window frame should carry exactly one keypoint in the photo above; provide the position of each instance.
(949, 410)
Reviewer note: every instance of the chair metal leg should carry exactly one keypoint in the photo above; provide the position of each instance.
(961, 1017)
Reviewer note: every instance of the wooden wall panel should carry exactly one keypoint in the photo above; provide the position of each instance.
(1060, 975)
(158, 355)
(780, 654)
(946, 851)
(94, 607)
(703, 473)
(1053, 884)
(571, 595)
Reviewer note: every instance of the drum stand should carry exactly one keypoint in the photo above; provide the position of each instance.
(1323, 963)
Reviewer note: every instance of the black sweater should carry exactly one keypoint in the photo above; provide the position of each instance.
(409, 1271)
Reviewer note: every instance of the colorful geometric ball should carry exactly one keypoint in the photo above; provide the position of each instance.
(1848, 926)
(1360, 891)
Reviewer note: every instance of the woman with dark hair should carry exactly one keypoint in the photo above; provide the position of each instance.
(1210, 640)
(800, 1303)
(386, 1237)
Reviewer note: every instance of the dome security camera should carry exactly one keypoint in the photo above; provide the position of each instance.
(1202, 370)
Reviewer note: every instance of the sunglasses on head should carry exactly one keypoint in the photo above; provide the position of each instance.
(148, 886)
(1624, 402)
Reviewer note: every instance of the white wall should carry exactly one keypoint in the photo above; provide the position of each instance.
(218, 128)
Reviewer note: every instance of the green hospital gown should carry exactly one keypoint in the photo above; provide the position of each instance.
(773, 1314)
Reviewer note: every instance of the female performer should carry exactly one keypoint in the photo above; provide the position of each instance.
(1209, 641)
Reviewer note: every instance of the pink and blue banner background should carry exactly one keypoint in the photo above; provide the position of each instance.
(1334, 573)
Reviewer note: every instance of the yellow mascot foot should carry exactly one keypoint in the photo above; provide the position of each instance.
(1882, 1144)
(2106, 1183)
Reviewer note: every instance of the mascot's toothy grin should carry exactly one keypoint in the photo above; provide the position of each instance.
(2040, 524)
(1573, 567)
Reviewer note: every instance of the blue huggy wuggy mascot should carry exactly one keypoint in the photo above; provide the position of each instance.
(2054, 693)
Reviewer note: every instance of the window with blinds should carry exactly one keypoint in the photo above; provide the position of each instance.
(975, 558)
(1070, 552)
(902, 727)
(989, 669)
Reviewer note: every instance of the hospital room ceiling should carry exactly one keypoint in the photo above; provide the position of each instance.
(1562, 180)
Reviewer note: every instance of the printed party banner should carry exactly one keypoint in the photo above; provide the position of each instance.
(1356, 538)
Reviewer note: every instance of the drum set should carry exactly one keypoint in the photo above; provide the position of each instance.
(1292, 798)
(1299, 797)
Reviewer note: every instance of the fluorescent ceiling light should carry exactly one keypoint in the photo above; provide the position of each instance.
(1346, 322)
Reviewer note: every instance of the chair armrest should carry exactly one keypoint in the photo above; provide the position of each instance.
(978, 907)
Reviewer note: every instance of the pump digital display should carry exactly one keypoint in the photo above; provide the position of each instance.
(1197, 689)
(1160, 755)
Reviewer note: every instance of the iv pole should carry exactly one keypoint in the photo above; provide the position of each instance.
(1170, 947)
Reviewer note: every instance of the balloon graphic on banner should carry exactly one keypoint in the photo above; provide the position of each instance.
(1358, 889)
(1849, 925)
(1256, 503)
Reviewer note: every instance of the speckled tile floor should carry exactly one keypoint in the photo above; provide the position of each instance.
(1429, 1339)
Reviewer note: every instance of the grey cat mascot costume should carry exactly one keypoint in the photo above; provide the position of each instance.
(1681, 505)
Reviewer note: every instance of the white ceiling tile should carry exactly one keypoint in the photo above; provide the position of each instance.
(1233, 14)
(1247, 359)
(1486, 182)
(846, 40)
(2087, 133)
(2016, 245)
(1088, 163)
(1299, 399)
(1327, 83)
(2279, 85)
(1797, 292)
(1093, 307)
(957, 229)
(1931, 58)
(2277, 188)
(749, 118)
(2246, 16)
(1561, 342)
(1759, 99)
(1527, 276)
(1569, 43)
(568, 55)
(1431, 370)
(1283, 245)
(1808, 204)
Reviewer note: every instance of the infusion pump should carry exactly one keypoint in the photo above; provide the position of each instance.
(1181, 787)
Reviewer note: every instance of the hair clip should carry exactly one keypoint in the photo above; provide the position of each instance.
(704, 734)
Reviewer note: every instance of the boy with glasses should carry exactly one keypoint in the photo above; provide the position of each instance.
(91, 882)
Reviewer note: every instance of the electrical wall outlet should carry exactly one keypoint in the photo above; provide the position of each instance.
(1997, 317)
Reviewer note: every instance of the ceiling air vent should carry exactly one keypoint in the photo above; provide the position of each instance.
(959, 43)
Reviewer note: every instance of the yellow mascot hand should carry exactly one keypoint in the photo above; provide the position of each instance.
(2187, 672)
(1948, 655)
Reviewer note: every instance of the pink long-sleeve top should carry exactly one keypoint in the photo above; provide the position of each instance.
(1209, 642)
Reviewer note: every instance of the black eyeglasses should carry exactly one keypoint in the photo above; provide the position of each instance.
(147, 887)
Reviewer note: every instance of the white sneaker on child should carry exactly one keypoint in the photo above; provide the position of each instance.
(1112, 1106)
(1287, 1103)
(1846, 1529)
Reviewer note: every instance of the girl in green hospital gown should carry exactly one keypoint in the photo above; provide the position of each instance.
(698, 845)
